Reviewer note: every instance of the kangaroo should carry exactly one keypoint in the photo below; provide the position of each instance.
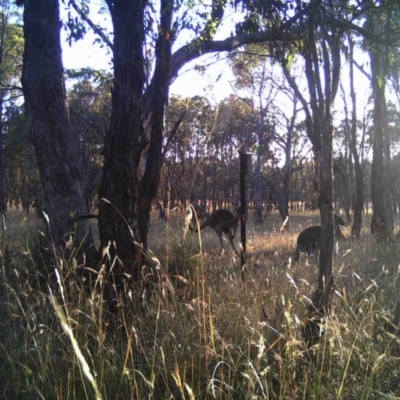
(221, 221)
(308, 240)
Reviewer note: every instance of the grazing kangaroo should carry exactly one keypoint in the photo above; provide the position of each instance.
(221, 221)
(308, 240)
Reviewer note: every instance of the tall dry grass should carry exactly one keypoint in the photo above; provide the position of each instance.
(202, 333)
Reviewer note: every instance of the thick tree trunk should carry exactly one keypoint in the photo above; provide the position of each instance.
(55, 144)
(125, 141)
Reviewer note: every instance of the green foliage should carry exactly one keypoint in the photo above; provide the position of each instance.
(13, 46)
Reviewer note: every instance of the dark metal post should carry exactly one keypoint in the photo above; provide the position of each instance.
(245, 168)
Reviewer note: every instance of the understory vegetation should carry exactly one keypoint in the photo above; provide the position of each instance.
(204, 331)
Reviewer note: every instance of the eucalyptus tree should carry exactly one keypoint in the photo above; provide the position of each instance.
(139, 95)
(383, 22)
(358, 196)
(320, 52)
(382, 223)
(136, 126)
(55, 143)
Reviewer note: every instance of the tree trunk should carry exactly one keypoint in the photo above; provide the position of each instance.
(387, 163)
(258, 203)
(3, 189)
(379, 224)
(358, 197)
(125, 141)
(284, 206)
(325, 277)
(55, 144)
(321, 100)
(151, 178)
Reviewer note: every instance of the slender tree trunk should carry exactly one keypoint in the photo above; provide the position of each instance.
(3, 185)
(347, 175)
(322, 97)
(3, 188)
(150, 181)
(257, 188)
(325, 277)
(387, 162)
(55, 144)
(358, 196)
(284, 206)
(379, 224)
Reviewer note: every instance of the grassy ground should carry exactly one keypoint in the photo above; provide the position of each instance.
(204, 334)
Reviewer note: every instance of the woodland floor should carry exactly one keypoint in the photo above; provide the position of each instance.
(206, 333)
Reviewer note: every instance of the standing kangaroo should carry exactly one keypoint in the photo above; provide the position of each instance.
(221, 221)
(308, 240)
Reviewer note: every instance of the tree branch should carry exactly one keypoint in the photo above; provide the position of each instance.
(173, 132)
(196, 48)
(87, 122)
(96, 29)
(362, 70)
